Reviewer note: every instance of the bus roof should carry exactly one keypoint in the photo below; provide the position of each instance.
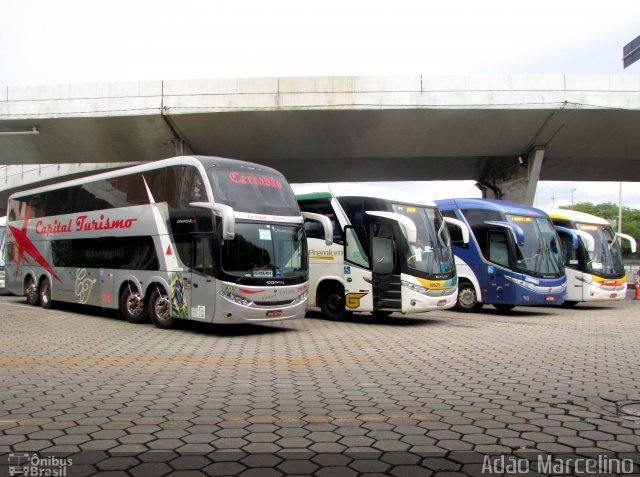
(205, 161)
(575, 216)
(355, 189)
(504, 206)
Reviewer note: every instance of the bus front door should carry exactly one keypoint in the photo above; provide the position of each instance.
(201, 288)
(357, 270)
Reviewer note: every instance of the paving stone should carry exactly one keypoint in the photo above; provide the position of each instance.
(342, 389)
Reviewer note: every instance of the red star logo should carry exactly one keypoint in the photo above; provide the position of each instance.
(26, 247)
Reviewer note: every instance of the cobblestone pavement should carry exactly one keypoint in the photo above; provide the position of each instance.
(427, 395)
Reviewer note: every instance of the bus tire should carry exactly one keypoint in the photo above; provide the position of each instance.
(569, 304)
(467, 298)
(44, 293)
(333, 302)
(132, 306)
(31, 291)
(160, 309)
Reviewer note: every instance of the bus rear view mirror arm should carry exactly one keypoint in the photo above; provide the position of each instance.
(461, 225)
(326, 225)
(574, 236)
(408, 227)
(516, 230)
(588, 241)
(632, 241)
(226, 213)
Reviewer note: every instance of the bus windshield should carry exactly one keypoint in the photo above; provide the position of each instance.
(606, 257)
(265, 251)
(252, 191)
(431, 253)
(541, 254)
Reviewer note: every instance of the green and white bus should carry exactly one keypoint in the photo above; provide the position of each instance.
(391, 251)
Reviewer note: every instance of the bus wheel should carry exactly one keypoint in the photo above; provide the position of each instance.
(467, 298)
(569, 304)
(160, 309)
(44, 293)
(333, 302)
(31, 291)
(132, 306)
(501, 307)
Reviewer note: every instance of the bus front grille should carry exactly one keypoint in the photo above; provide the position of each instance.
(273, 303)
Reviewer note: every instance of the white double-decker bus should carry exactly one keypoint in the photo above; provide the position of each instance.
(391, 251)
(201, 238)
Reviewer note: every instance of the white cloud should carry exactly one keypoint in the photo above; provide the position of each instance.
(73, 41)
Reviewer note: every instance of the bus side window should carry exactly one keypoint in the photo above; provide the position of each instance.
(569, 253)
(355, 242)
(498, 250)
(454, 232)
(203, 254)
(313, 228)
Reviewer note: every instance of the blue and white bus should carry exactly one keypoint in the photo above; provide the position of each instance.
(513, 257)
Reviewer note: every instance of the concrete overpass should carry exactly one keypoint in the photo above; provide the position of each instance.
(505, 132)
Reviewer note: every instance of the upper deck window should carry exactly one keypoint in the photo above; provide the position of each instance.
(252, 191)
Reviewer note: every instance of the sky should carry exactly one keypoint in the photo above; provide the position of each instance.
(76, 41)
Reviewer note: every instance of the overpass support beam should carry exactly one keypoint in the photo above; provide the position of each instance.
(513, 179)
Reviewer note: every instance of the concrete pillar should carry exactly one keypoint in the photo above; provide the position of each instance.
(513, 179)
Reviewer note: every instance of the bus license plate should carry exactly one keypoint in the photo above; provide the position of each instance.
(274, 313)
(550, 298)
(613, 295)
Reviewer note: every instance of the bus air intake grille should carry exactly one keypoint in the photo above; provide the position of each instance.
(273, 303)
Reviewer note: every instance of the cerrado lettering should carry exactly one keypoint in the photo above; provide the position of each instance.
(256, 180)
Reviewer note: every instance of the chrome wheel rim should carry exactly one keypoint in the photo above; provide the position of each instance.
(162, 308)
(467, 298)
(134, 304)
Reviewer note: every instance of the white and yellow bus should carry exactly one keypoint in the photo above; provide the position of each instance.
(592, 256)
(3, 226)
(391, 251)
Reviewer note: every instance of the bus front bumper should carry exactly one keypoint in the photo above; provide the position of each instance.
(235, 313)
(529, 294)
(416, 299)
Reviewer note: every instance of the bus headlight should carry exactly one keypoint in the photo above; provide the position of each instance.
(302, 297)
(235, 298)
(415, 288)
(522, 283)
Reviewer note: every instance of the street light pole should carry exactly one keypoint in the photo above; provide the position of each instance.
(572, 191)
(620, 209)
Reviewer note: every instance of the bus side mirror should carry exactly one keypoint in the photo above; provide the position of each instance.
(326, 225)
(632, 241)
(461, 225)
(382, 255)
(588, 241)
(516, 230)
(574, 237)
(227, 215)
